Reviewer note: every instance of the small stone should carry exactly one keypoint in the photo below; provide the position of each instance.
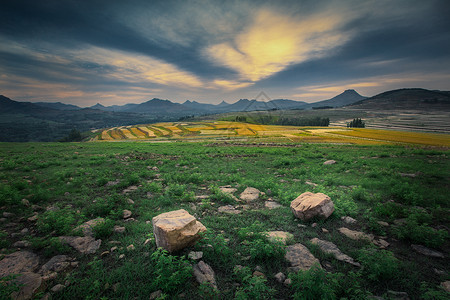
(329, 162)
(119, 229)
(129, 220)
(58, 288)
(25, 202)
(8, 214)
(104, 253)
(50, 276)
(113, 249)
(126, 213)
(348, 220)
(22, 244)
(155, 295)
(87, 227)
(147, 241)
(272, 205)
(250, 194)
(446, 286)
(356, 235)
(130, 247)
(258, 274)
(287, 282)
(300, 258)
(280, 277)
(130, 201)
(203, 273)
(228, 209)
(382, 223)
(24, 231)
(381, 243)
(314, 225)
(121, 256)
(227, 189)
(85, 245)
(324, 230)
(195, 255)
(331, 248)
(426, 251)
(74, 264)
(66, 194)
(302, 226)
(33, 218)
(281, 236)
(311, 183)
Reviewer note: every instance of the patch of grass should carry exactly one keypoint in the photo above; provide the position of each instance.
(252, 287)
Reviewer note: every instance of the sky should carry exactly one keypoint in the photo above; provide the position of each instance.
(116, 52)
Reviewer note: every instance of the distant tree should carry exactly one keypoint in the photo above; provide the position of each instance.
(357, 123)
(241, 119)
(74, 136)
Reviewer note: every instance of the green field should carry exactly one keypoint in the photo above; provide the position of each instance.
(67, 184)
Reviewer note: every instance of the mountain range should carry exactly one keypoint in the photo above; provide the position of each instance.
(45, 121)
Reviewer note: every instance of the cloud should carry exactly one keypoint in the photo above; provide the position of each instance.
(275, 41)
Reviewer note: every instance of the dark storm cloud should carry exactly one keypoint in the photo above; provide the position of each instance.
(203, 49)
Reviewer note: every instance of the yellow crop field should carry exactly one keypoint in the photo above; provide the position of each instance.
(269, 133)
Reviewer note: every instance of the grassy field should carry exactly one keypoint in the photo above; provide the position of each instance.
(212, 130)
(66, 184)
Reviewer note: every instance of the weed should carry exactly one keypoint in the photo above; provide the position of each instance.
(422, 234)
(378, 265)
(170, 272)
(60, 221)
(8, 286)
(252, 287)
(103, 229)
(315, 283)
(4, 242)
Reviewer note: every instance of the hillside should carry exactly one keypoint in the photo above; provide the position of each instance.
(406, 99)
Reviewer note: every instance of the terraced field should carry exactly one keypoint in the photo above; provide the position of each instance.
(219, 130)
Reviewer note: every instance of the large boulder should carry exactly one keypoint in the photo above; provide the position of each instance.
(176, 230)
(309, 205)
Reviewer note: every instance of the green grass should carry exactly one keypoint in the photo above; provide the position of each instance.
(365, 183)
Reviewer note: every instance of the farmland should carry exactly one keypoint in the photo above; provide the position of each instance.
(239, 131)
(396, 192)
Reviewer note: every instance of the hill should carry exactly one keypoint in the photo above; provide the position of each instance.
(406, 99)
(346, 98)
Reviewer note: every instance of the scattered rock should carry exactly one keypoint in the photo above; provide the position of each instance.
(119, 229)
(410, 175)
(397, 295)
(356, 235)
(227, 189)
(22, 244)
(201, 197)
(57, 263)
(382, 223)
(280, 277)
(329, 162)
(25, 202)
(33, 218)
(258, 274)
(129, 220)
(287, 282)
(311, 183)
(228, 209)
(130, 189)
(58, 288)
(300, 258)
(121, 256)
(8, 214)
(18, 262)
(30, 283)
(147, 241)
(112, 183)
(176, 230)
(446, 286)
(250, 194)
(155, 295)
(126, 213)
(381, 243)
(113, 249)
(50, 276)
(130, 247)
(87, 227)
(400, 221)
(331, 248)
(309, 205)
(426, 251)
(195, 255)
(324, 230)
(272, 205)
(130, 201)
(84, 245)
(348, 220)
(281, 236)
(204, 274)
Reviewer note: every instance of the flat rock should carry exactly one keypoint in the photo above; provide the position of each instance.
(281, 236)
(84, 245)
(309, 205)
(176, 230)
(195, 255)
(22, 244)
(18, 262)
(356, 235)
(30, 283)
(348, 220)
(57, 263)
(228, 209)
(300, 258)
(112, 183)
(329, 162)
(280, 277)
(311, 183)
(331, 248)
(272, 205)
(130, 189)
(426, 251)
(203, 273)
(119, 229)
(227, 189)
(87, 227)
(250, 194)
(58, 288)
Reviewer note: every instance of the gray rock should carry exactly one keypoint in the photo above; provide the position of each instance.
(309, 205)
(356, 235)
(329, 162)
(58, 288)
(22, 244)
(348, 220)
(280, 277)
(330, 248)
(204, 274)
(18, 262)
(227, 189)
(195, 255)
(446, 286)
(84, 245)
(30, 283)
(281, 236)
(228, 209)
(57, 263)
(119, 229)
(127, 213)
(250, 194)
(272, 205)
(87, 227)
(397, 295)
(155, 295)
(426, 251)
(300, 258)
